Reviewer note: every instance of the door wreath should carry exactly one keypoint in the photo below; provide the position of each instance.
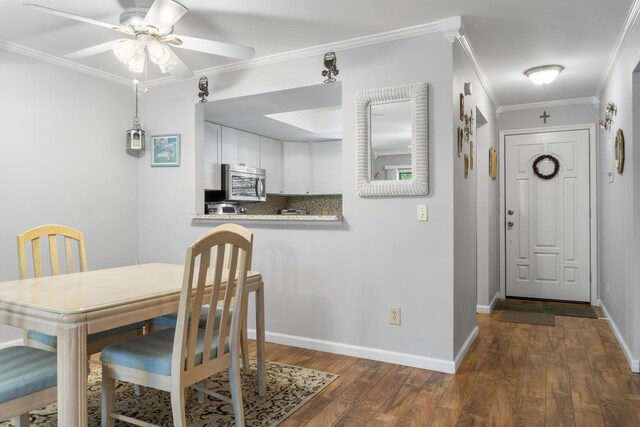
(556, 166)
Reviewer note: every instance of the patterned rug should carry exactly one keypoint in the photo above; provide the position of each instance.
(288, 388)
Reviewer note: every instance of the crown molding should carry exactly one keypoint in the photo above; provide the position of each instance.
(65, 63)
(403, 33)
(549, 104)
(452, 30)
(625, 32)
(475, 64)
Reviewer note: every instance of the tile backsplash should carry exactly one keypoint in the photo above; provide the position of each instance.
(315, 205)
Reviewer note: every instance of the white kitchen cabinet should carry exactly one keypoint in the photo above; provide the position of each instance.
(240, 147)
(250, 149)
(271, 162)
(212, 170)
(296, 163)
(326, 167)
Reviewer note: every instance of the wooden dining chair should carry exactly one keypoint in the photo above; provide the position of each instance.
(73, 242)
(175, 358)
(169, 320)
(28, 378)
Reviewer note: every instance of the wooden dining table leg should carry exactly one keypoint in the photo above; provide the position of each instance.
(260, 326)
(72, 375)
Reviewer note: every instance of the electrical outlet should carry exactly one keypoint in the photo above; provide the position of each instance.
(421, 213)
(394, 315)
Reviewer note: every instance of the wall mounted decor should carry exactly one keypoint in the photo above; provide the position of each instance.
(165, 150)
(330, 63)
(619, 151)
(467, 88)
(462, 114)
(460, 139)
(471, 155)
(471, 120)
(466, 166)
(610, 111)
(547, 159)
(203, 85)
(416, 94)
(493, 163)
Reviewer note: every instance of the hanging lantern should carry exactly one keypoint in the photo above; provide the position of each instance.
(135, 136)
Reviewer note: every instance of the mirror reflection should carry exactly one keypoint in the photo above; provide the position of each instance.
(391, 141)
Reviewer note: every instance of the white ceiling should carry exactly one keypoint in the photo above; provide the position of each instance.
(507, 36)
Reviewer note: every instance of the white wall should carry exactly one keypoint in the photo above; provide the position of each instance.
(64, 161)
(577, 114)
(619, 206)
(471, 234)
(331, 287)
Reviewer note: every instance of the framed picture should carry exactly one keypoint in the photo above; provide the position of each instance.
(461, 106)
(471, 155)
(466, 166)
(619, 151)
(493, 163)
(165, 150)
(460, 139)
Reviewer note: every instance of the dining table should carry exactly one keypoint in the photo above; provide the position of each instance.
(71, 306)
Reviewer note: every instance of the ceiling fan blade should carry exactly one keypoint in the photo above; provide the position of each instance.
(180, 69)
(163, 14)
(71, 16)
(93, 50)
(215, 47)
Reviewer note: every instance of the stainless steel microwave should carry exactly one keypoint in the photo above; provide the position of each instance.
(244, 184)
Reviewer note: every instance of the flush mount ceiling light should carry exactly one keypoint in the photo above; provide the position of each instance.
(543, 74)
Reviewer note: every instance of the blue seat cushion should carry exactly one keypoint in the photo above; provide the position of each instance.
(152, 352)
(52, 340)
(170, 320)
(25, 370)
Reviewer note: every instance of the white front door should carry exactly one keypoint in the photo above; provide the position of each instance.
(547, 218)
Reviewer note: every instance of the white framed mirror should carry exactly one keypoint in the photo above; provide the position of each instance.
(392, 141)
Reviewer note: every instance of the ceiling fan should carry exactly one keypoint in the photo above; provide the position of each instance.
(149, 26)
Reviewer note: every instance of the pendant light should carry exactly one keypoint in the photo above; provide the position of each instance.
(135, 136)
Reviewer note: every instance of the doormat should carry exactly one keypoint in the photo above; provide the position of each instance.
(559, 309)
(288, 388)
(543, 319)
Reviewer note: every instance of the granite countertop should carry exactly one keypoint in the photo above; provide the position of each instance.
(274, 218)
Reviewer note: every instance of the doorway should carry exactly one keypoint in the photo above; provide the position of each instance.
(547, 233)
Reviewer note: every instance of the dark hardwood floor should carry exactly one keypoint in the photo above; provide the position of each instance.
(573, 374)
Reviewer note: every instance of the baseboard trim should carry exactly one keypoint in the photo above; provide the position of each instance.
(487, 309)
(634, 364)
(433, 364)
(11, 343)
(465, 348)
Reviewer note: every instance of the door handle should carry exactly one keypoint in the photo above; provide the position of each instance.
(510, 224)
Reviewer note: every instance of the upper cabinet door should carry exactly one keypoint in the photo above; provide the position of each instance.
(250, 149)
(326, 167)
(296, 168)
(212, 170)
(230, 152)
(271, 162)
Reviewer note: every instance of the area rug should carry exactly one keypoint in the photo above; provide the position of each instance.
(543, 319)
(288, 388)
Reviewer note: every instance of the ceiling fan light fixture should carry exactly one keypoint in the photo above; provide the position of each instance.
(544, 74)
(136, 63)
(158, 53)
(124, 50)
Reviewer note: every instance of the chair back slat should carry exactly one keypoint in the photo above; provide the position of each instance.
(52, 232)
(229, 241)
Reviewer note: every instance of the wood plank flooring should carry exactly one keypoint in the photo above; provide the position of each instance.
(573, 374)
